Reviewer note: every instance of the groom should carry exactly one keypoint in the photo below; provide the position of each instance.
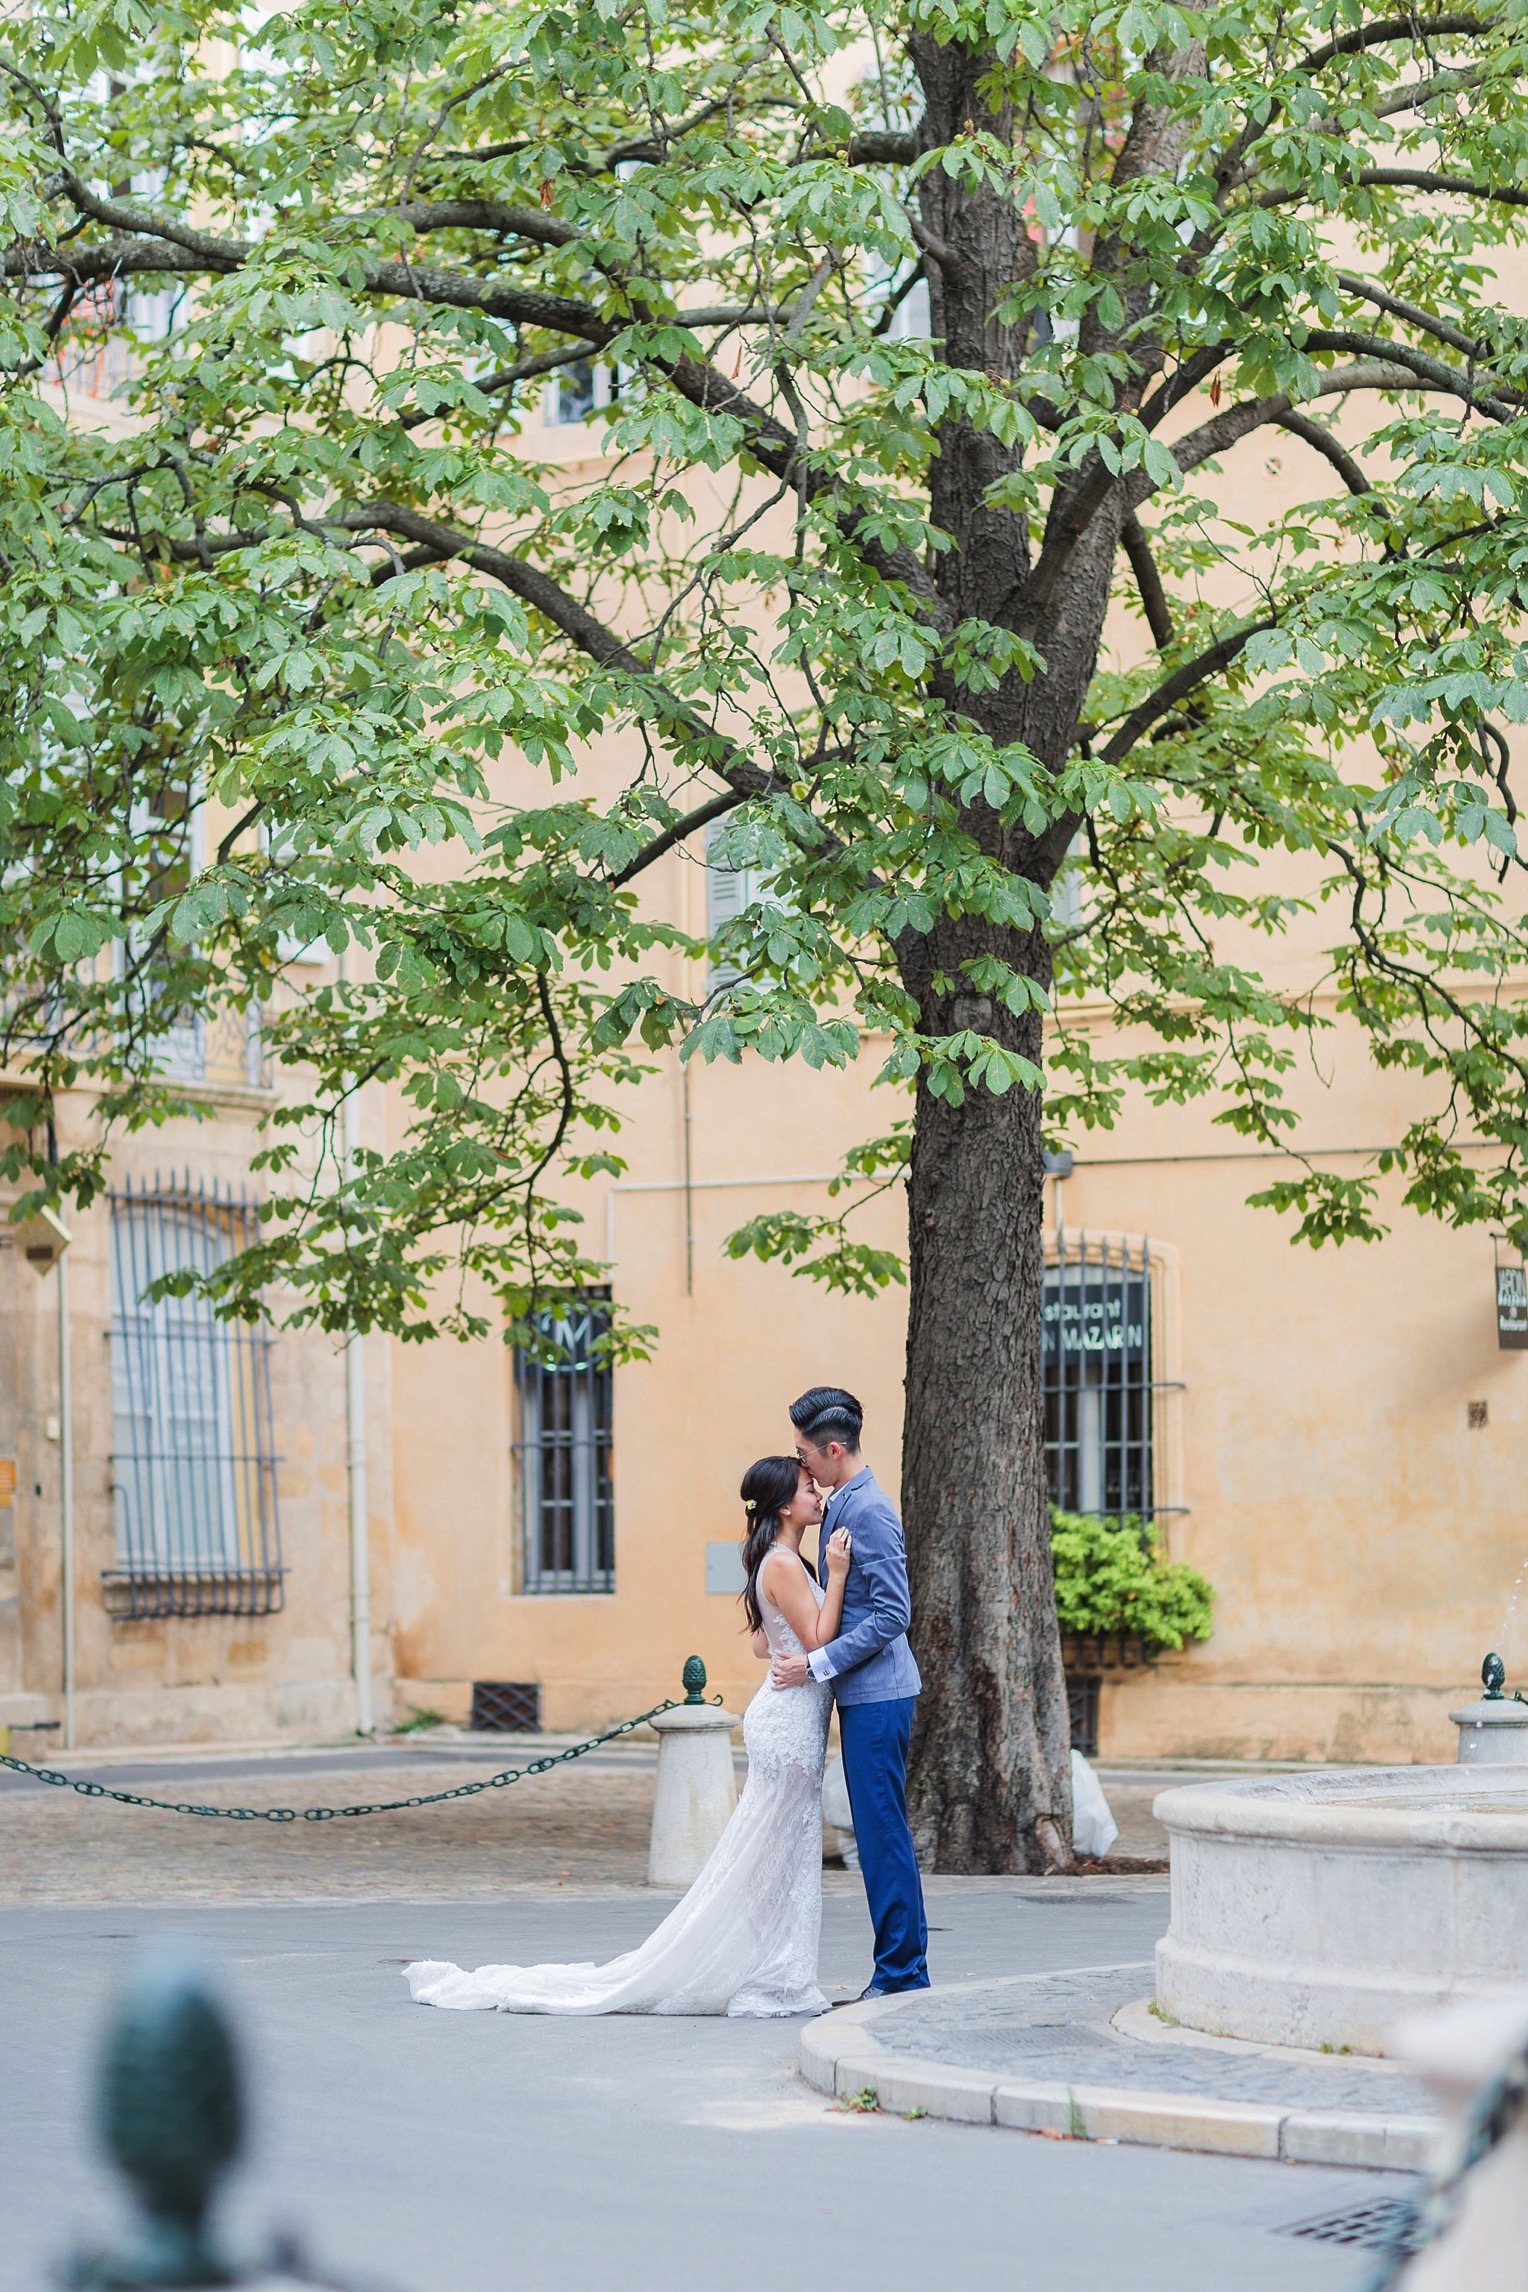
(874, 1680)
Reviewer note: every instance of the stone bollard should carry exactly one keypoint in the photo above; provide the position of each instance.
(697, 1790)
(169, 2112)
(1494, 1731)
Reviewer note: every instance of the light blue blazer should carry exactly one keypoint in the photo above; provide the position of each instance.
(870, 1661)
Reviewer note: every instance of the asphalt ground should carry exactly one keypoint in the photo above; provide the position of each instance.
(433, 2152)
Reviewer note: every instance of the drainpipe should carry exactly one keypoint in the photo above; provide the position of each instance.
(44, 1240)
(355, 1460)
(66, 1491)
(689, 1191)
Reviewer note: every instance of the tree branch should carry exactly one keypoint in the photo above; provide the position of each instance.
(404, 282)
(721, 754)
(1237, 422)
(1148, 581)
(1068, 525)
(480, 215)
(1300, 426)
(1363, 290)
(882, 146)
(1176, 386)
(771, 443)
(1409, 179)
(1436, 371)
(545, 596)
(1182, 682)
(547, 362)
(1386, 28)
(221, 254)
(678, 833)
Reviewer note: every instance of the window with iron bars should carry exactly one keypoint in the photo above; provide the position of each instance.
(566, 1450)
(1095, 1351)
(193, 1453)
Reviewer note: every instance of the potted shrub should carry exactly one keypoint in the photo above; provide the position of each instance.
(1119, 1599)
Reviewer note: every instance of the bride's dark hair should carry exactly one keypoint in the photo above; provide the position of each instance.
(768, 1487)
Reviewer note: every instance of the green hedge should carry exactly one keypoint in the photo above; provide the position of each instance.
(1112, 1579)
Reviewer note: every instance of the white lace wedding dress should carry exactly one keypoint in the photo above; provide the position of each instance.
(744, 1939)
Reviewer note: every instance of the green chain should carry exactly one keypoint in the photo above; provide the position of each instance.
(496, 1782)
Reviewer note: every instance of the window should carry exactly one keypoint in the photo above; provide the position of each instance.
(731, 889)
(566, 1453)
(225, 1046)
(911, 321)
(193, 1460)
(578, 390)
(1096, 1363)
(729, 892)
(1066, 884)
(168, 827)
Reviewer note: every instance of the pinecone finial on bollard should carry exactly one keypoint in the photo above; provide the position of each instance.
(170, 2112)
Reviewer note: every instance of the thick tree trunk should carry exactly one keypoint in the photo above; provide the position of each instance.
(991, 1782)
(991, 1787)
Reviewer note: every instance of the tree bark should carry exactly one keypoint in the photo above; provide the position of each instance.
(990, 1784)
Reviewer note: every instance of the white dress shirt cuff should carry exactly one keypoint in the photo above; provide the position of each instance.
(818, 1665)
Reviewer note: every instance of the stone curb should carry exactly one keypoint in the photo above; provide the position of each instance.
(840, 2055)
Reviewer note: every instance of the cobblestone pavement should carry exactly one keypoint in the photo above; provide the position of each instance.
(573, 1827)
(1058, 2031)
(1140, 1834)
(580, 1825)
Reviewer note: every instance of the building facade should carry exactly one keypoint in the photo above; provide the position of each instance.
(1335, 1439)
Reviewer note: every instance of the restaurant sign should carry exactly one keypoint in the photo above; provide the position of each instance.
(1512, 1308)
(1094, 1310)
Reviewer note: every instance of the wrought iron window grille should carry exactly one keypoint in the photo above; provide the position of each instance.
(193, 1450)
(1097, 1353)
(566, 1452)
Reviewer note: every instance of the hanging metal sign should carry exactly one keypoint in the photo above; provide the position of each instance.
(1512, 1307)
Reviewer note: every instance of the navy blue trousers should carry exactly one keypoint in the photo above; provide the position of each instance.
(875, 1737)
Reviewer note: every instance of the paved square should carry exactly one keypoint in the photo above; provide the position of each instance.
(432, 2152)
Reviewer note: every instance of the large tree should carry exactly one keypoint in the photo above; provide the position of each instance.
(840, 584)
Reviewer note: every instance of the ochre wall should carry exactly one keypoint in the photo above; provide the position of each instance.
(1363, 1541)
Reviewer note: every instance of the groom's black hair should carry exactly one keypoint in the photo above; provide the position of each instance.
(827, 1413)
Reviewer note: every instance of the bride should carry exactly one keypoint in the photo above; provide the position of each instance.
(744, 1939)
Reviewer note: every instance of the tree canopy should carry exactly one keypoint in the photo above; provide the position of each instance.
(837, 584)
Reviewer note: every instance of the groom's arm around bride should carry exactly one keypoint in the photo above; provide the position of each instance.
(872, 1639)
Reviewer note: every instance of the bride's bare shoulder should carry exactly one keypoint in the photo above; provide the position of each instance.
(777, 1566)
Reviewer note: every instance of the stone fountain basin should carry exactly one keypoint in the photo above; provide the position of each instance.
(1316, 1910)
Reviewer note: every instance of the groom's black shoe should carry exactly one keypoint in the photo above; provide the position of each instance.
(903, 1990)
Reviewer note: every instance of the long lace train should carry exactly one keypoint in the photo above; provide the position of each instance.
(744, 1939)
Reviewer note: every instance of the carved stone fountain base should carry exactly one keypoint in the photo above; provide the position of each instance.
(1316, 1910)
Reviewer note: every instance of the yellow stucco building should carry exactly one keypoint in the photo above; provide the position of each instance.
(1335, 1439)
